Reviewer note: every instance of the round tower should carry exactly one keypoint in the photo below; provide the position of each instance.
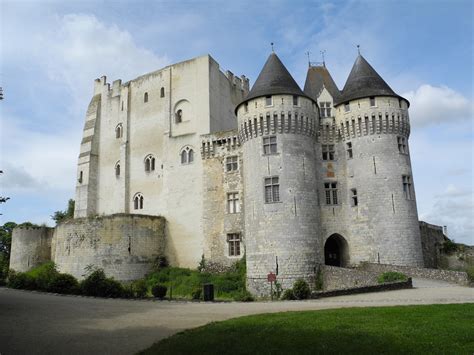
(374, 127)
(277, 129)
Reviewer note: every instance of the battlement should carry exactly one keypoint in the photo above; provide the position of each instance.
(242, 82)
(228, 141)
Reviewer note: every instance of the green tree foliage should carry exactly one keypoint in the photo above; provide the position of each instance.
(2, 198)
(61, 216)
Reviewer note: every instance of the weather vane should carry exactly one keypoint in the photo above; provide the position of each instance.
(322, 55)
(358, 48)
(272, 46)
(309, 60)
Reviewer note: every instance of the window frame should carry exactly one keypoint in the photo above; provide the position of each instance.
(267, 98)
(372, 101)
(328, 153)
(117, 169)
(407, 184)
(145, 97)
(331, 193)
(232, 163)
(138, 201)
(270, 142)
(354, 197)
(347, 107)
(178, 116)
(273, 183)
(350, 152)
(233, 202)
(188, 154)
(234, 241)
(150, 163)
(402, 144)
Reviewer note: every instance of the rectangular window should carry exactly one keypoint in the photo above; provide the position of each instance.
(349, 150)
(269, 145)
(402, 145)
(233, 205)
(295, 100)
(268, 101)
(233, 240)
(330, 189)
(232, 163)
(347, 107)
(328, 152)
(372, 101)
(272, 189)
(354, 200)
(246, 106)
(325, 109)
(407, 186)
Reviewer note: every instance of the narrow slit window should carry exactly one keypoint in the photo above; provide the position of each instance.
(407, 186)
(349, 150)
(372, 101)
(145, 97)
(162, 92)
(354, 199)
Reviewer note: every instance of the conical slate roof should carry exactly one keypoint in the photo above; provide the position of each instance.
(364, 81)
(317, 78)
(274, 79)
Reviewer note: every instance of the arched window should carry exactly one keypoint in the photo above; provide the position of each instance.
(145, 97)
(149, 163)
(187, 155)
(119, 131)
(117, 169)
(138, 201)
(179, 116)
(162, 92)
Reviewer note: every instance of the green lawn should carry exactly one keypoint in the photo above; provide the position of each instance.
(433, 329)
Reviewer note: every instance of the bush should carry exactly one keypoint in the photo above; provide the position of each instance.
(470, 273)
(97, 284)
(288, 295)
(64, 283)
(159, 291)
(449, 246)
(301, 289)
(197, 293)
(43, 275)
(391, 276)
(244, 296)
(139, 288)
(20, 280)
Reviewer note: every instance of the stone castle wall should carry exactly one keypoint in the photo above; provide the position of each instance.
(125, 246)
(30, 247)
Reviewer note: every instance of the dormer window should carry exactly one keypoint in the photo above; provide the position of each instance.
(268, 101)
(372, 101)
(246, 107)
(295, 100)
(347, 107)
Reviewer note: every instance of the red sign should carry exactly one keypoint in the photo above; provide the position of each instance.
(271, 277)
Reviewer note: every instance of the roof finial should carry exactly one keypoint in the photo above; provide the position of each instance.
(322, 55)
(272, 46)
(358, 48)
(309, 59)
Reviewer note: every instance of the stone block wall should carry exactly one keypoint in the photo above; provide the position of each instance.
(125, 246)
(432, 239)
(30, 247)
(338, 278)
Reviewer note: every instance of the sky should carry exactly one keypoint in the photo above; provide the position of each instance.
(51, 52)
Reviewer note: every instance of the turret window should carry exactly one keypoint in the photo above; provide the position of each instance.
(149, 163)
(80, 177)
(349, 150)
(231, 163)
(145, 97)
(272, 189)
(347, 107)
(246, 107)
(328, 152)
(330, 189)
(402, 145)
(138, 201)
(187, 156)
(269, 145)
(372, 101)
(407, 187)
(295, 100)
(162, 92)
(268, 101)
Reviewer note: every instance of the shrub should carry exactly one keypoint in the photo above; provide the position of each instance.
(301, 289)
(64, 283)
(288, 295)
(197, 293)
(97, 284)
(159, 291)
(20, 280)
(470, 273)
(139, 288)
(160, 263)
(43, 275)
(244, 296)
(391, 276)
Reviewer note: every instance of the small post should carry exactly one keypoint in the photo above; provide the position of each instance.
(271, 290)
(171, 291)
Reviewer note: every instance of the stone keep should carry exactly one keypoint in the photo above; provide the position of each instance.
(291, 179)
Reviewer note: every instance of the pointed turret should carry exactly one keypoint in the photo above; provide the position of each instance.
(274, 79)
(364, 81)
(317, 78)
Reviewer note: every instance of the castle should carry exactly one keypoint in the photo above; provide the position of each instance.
(187, 162)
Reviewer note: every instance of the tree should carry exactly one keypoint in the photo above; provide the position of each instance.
(61, 216)
(3, 199)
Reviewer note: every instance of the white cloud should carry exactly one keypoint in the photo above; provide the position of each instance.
(437, 104)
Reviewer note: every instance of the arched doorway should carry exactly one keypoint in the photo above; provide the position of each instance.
(336, 251)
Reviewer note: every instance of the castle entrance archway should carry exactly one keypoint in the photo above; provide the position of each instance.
(336, 251)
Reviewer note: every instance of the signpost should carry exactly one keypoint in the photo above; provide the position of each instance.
(271, 277)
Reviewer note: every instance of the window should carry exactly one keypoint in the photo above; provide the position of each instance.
(119, 131)
(138, 201)
(233, 240)
(372, 101)
(162, 92)
(268, 101)
(122, 106)
(272, 189)
(145, 97)
(399, 103)
(187, 156)
(331, 193)
(269, 145)
(233, 205)
(328, 152)
(231, 163)
(347, 107)
(295, 100)
(407, 186)
(80, 177)
(349, 150)
(354, 200)
(402, 145)
(117, 169)
(325, 109)
(246, 107)
(149, 163)
(178, 116)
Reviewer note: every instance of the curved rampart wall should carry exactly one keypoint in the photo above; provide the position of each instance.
(30, 247)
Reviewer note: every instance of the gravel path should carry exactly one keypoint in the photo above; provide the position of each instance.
(39, 323)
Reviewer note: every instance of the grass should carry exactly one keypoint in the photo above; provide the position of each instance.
(432, 329)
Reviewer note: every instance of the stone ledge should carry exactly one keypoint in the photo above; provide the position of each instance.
(365, 289)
